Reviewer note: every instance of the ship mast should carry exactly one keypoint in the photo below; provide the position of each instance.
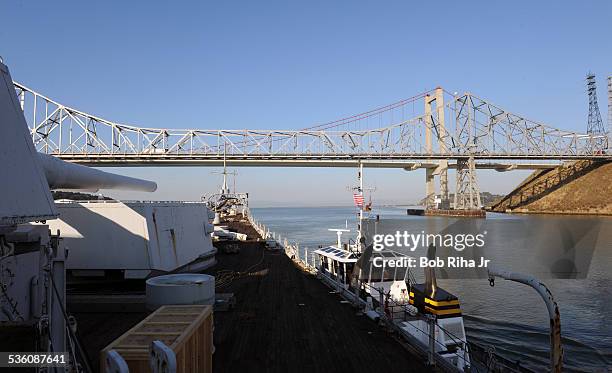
(360, 190)
(224, 187)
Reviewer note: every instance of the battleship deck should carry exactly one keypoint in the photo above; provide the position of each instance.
(287, 321)
(283, 320)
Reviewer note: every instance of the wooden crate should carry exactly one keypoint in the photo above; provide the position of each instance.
(187, 330)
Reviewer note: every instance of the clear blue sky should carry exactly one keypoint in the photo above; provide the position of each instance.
(289, 64)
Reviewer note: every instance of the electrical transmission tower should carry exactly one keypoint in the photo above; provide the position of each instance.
(595, 125)
(609, 107)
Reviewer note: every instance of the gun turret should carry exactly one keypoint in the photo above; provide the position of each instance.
(28, 175)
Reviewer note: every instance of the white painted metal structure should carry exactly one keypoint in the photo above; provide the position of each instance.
(163, 359)
(140, 238)
(181, 288)
(474, 128)
(556, 349)
(24, 190)
(339, 255)
(449, 337)
(464, 128)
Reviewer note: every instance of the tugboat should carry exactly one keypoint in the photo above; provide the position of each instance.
(427, 316)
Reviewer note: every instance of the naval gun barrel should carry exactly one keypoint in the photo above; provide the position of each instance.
(65, 175)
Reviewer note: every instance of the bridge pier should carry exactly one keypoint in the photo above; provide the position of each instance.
(430, 188)
(467, 193)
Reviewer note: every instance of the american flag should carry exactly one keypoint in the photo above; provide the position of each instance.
(358, 198)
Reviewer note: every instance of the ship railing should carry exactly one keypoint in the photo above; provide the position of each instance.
(389, 309)
(103, 201)
(305, 258)
(406, 313)
(169, 201)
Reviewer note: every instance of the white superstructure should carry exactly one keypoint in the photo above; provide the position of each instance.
(138, 238)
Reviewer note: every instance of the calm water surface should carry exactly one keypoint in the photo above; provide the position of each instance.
(509, 316)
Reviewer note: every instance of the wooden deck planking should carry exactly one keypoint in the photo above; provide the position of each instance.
(269, 331)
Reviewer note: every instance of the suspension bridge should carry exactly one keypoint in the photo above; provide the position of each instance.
(435, 130)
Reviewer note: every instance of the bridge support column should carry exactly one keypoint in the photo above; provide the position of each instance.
(430, 187)
(445, 203)
(441, 135)
(467, 193)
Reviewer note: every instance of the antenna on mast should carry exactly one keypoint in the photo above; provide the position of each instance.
(224, 168)
(224, 188)
(339, 234)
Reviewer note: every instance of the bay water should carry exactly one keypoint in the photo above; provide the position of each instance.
(509, 317)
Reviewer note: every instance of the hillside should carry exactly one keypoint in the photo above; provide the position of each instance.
(582, 187)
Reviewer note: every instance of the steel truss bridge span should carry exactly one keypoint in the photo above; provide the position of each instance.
(460, 127)
(408, 164)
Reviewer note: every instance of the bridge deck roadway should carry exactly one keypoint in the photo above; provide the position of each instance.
(412, 162)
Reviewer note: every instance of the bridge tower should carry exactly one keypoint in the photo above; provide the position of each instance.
(435, 124)
(467, 192)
